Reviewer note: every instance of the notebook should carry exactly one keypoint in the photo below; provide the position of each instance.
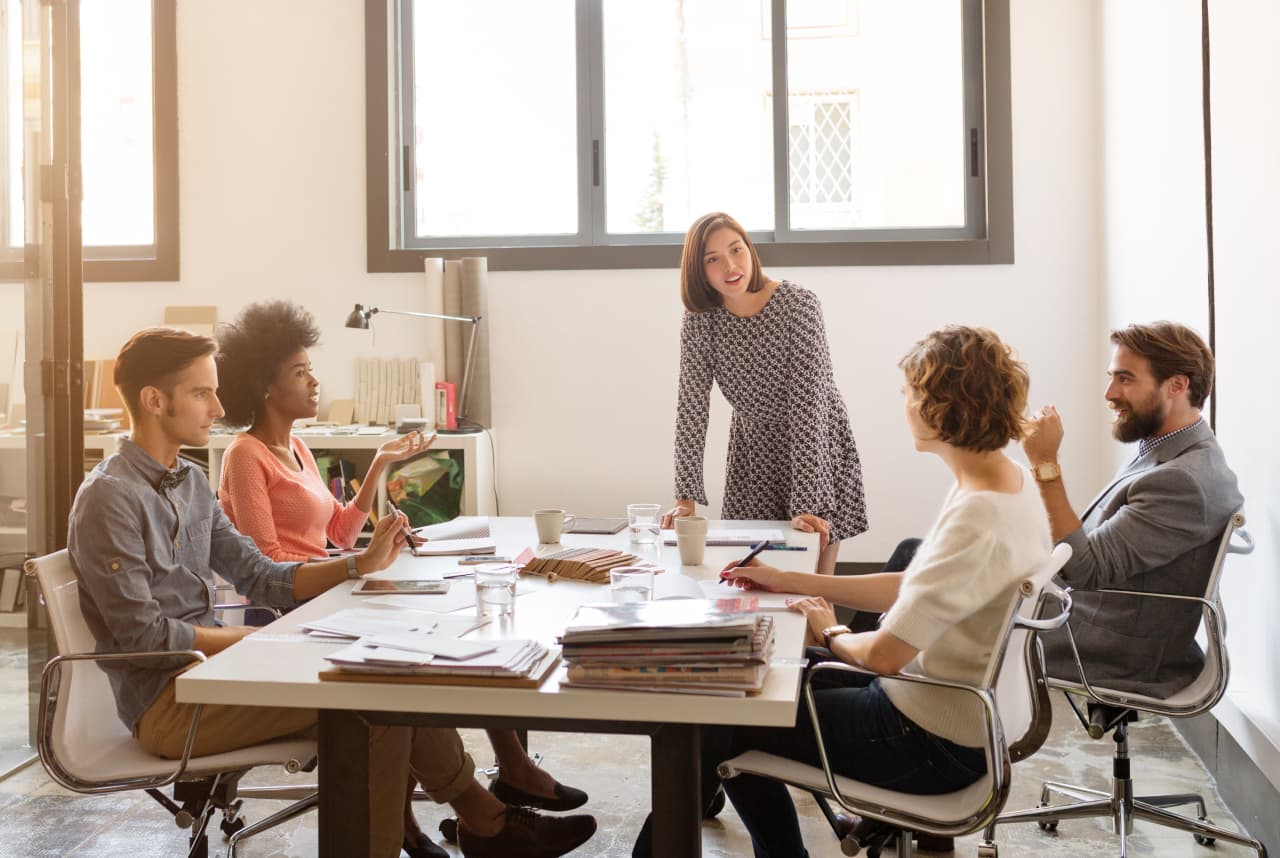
(598, 524)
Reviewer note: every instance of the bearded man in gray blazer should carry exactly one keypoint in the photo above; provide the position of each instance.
(1154, 529)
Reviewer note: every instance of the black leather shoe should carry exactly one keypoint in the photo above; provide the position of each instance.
(567, 798)
(934, 843)
(418, 845)
(525, 834)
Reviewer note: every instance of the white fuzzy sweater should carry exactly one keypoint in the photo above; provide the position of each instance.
(953, 599)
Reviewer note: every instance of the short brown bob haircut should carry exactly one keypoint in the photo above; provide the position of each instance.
(695, 291)
(153, 358)
(1172, 349)
(970, 388)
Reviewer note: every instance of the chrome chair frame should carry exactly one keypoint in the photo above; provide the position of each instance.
(200, 789)
(1120, 804)
(897, 822)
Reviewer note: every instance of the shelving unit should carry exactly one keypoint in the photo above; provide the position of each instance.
(478, 496)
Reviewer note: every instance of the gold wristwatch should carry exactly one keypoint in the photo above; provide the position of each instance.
(1046, 472)
(833, 632)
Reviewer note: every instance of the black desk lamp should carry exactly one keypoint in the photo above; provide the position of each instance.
(359, 318)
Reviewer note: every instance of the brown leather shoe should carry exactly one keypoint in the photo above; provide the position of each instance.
(525, 834)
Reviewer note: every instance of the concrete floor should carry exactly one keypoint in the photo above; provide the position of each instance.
(38, 818)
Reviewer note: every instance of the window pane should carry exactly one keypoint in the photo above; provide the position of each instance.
(876, 109)
(495, 107)
(13, 120)
(117, 149)
(688, 119)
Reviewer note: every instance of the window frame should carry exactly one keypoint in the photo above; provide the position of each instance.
(986, 239)
(158, 261)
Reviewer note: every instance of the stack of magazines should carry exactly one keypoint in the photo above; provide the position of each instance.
(683, 646)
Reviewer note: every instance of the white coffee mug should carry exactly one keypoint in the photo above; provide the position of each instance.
(691, 537)
(551, 523)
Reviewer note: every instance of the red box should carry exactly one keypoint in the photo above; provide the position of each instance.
(446, 405)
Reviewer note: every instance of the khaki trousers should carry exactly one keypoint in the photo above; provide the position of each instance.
(434, 755)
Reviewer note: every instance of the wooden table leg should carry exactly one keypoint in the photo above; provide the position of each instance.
(344, 784)
(677, 775)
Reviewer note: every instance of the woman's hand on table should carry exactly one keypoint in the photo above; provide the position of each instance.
(684, 508)
(753, 576)
(809, 523)
(818, 616)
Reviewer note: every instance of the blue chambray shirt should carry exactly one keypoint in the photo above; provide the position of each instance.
(145, 545)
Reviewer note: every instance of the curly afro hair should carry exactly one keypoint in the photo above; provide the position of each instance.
(972, 390)
(251, 351)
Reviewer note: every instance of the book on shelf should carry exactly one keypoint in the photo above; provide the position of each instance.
(581, 564)
(446, 405)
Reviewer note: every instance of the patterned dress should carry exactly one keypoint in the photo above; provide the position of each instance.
(791, 450)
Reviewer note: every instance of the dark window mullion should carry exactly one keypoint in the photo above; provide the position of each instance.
(591, 109)
(781, 125)
(402, 160)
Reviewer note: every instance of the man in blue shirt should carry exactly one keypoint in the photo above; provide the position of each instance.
(146, 535)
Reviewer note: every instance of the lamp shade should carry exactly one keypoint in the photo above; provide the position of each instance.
(359, 318)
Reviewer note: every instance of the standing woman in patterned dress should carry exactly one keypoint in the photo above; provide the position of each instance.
(791, 451)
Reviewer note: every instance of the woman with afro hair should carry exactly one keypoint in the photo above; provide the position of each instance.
(273, 493)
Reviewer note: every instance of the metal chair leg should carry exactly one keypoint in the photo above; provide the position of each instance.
(1078, 793)
(1175, 800)
(1199, 827)
(1052, 813)
(295, 809)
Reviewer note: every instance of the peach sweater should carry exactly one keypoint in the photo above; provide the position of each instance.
(287, 513)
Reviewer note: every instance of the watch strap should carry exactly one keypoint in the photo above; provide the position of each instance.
(352, 570)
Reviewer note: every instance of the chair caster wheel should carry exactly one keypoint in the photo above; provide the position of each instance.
(849, 847)
(231, 826)
(988, 850)
(1205, 839)
(1048, 825)
(449, 830)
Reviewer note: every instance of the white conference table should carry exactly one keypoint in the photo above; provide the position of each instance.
(276, 667)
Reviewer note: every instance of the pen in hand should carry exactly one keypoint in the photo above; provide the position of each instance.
(408, 534)
(751, 555)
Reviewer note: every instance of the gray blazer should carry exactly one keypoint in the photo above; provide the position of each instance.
(1156, 528)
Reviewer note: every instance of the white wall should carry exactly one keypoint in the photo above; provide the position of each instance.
(584, 363)
(1154, 264)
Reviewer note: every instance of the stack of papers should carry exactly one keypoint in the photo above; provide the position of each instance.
(357, 623)
(506, 659)
(424, 643)
(685, 646)
(733, 537)
(466, 534)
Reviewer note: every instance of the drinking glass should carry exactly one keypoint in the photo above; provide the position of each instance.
(644, 522)
(495, 593)
(631, 584)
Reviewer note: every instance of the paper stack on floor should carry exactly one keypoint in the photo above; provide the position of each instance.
(685, 646)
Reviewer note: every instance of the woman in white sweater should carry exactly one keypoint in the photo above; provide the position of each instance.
(965, 402)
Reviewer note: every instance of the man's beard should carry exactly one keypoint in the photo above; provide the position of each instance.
(1138, 422)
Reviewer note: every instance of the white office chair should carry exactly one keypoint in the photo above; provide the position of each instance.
(1118, 708)
(1015, 702)
(85, 748)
